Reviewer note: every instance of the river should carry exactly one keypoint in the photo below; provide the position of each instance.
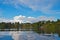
(26, 35)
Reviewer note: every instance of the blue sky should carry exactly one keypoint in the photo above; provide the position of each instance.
(29, 8)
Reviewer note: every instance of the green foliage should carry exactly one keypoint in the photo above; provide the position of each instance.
(39, 27)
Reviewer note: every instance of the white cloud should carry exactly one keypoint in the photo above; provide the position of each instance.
(4, 20)
(24, 19)
(44, 6)
(30, 19)
(44, 18)
(19, 18)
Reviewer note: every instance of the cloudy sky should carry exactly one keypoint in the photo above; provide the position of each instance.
(29, 10)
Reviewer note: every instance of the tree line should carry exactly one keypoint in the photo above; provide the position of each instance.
(39, 27)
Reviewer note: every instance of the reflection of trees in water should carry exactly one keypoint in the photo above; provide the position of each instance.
(29, 35)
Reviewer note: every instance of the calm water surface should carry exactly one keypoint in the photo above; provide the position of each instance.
(25, 35)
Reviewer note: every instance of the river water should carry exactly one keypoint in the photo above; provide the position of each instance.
(25, 35)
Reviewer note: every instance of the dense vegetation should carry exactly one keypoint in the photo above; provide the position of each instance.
(39, 27)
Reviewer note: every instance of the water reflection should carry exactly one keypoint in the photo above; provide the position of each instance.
(25, 35)
(6, 37)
